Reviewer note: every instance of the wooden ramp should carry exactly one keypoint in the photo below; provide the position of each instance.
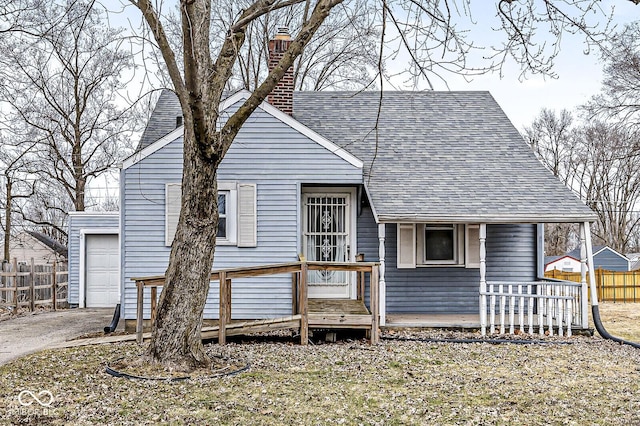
(258, 326)
(306, 313)
(323, 313)
(233, 329)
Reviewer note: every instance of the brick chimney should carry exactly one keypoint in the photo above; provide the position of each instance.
(282, 95)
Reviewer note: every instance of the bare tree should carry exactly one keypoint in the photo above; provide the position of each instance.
(15, 16)
(423, 28)
(65, 76)
(341, 55)
(552, 138)
(176, 333)
(609, 181)
(598, 158)
(599, 161)
(14, 162)
(620, 96)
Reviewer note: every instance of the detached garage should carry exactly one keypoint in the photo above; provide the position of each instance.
(94, 260)
(101, 270)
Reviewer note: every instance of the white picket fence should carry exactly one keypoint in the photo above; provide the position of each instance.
(538, 305)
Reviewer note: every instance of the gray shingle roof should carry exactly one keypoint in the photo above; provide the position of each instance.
(440, 156)
(162, 120)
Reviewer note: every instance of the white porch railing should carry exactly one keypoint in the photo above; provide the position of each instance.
(541, 305)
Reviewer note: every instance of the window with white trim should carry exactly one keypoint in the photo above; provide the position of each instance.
(237, 224)
(223, 196)
(438, 245)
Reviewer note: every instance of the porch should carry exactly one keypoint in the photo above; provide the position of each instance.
(483, 294)
(538, 307)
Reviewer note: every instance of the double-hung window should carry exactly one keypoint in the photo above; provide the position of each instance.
(223, 196)
(237, 213)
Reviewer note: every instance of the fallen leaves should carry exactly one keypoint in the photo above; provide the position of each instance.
(348, 382)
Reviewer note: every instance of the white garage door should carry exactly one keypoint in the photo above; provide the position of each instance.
(101, 271)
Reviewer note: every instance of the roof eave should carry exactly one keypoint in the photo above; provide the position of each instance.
(489, 219)
(178, 132)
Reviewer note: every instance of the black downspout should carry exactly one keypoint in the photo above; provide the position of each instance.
(114, 321)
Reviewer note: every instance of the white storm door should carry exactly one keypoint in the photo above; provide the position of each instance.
(102, 271)
(327, 238)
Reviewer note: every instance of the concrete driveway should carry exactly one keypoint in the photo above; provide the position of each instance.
(31, 333)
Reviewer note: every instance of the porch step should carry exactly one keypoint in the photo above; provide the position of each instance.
(338, 313)
(337, 306)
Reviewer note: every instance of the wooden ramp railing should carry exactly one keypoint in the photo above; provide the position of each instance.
(299, 289)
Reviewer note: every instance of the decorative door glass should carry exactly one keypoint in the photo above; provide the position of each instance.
(326, 236)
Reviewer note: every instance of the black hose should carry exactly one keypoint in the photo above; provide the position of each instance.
(114, 321)
(222, 372)
(595, 311)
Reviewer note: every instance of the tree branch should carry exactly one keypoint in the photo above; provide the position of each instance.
(235, 122)
(153, 20)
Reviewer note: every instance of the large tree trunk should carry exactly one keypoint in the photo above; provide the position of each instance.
(176, 340)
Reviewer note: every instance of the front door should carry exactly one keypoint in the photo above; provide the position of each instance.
(327, 238)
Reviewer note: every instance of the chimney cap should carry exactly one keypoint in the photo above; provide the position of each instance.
(283, 34)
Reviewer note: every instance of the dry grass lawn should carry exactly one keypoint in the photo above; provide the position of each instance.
(576, 381)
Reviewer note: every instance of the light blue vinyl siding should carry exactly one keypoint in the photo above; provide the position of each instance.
(511, 255)
(279, 160)
(77, 223)
(610, 261)
(367, 241)
(368, 235)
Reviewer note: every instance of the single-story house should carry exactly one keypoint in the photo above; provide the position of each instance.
(605, 257)
(563, 263)
(438, 187)
(27, 245)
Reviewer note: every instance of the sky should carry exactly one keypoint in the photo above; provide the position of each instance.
(579, 77)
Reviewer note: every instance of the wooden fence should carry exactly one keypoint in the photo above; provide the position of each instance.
(31, 285)
(623, 287)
